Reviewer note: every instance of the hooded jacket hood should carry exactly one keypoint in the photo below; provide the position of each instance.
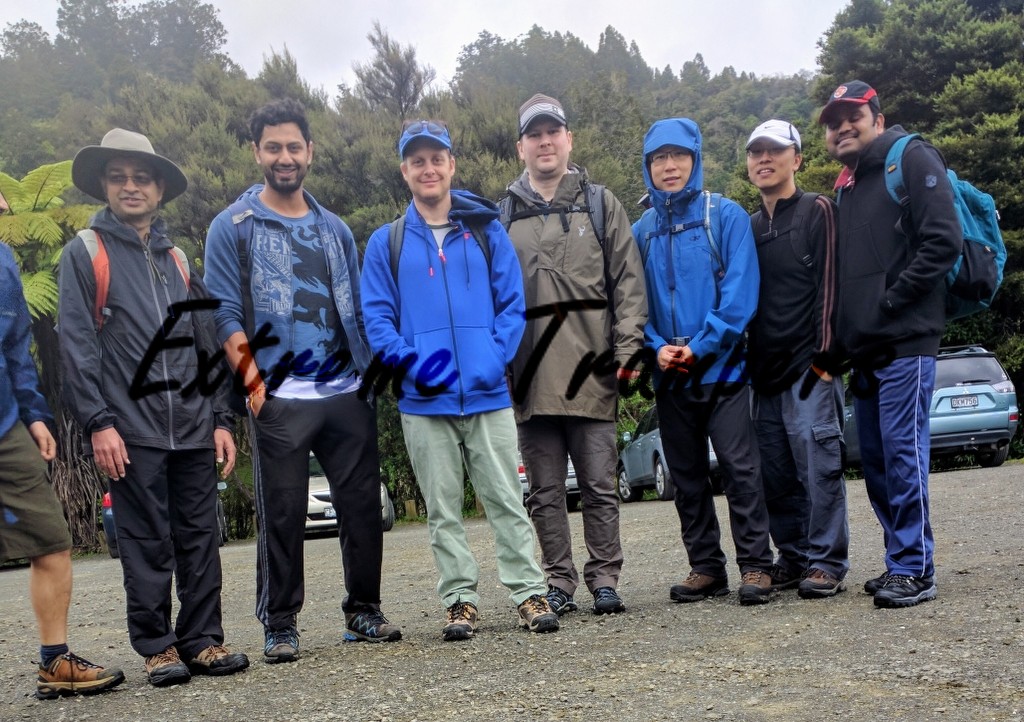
(683, 133)
(468, 207)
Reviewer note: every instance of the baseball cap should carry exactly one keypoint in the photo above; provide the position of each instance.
(434, 131)
(540, 106)
(854, 92)
(776, 132)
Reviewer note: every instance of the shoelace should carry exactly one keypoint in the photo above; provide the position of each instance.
(460, 611)
(284, 636)
(535, 605)
(74, 659)
(168, 656)
(211, 654)
(752, 577)
(604, 594)
(896, 579)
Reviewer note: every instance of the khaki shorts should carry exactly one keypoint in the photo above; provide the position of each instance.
(32, 521)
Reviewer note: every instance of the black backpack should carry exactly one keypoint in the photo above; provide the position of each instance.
(797, 228)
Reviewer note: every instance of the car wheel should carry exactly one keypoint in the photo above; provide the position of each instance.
(572, 502)
(662, 483)
(387, 508)
(112, 548)
(626, 492)
(993, 458)
(222, 523)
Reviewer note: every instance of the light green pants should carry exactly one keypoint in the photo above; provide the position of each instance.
(436, 445)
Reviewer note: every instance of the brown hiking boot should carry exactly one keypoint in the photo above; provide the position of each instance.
(699, 586)
(69, 674)
(535, 614)
(460, 622)
(217, 660)
(166, 668)
(756, 587)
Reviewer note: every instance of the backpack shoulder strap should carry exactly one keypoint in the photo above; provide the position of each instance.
(505, 206)
(181, 261)
(242, 218)
(713, 228)
(396, 238)
(101, 270)
(595, 207)
(479, 231)
(894, 182)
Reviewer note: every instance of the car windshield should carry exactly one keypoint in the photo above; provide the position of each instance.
(963, 370)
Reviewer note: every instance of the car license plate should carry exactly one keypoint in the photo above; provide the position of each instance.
(329, 513)
(969, 401)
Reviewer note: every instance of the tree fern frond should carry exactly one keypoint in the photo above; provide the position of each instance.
(11, 189)
(40, 293)
(75, 217)
(43, 186)
(16, 230)
(43, 228)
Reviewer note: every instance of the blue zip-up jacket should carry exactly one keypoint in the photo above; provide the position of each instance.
(271, 280)
(454, 323)
(19, 382)
(686, 301)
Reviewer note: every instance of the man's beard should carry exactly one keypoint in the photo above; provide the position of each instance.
(285, 187)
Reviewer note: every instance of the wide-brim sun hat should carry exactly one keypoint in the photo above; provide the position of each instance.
(90, 162)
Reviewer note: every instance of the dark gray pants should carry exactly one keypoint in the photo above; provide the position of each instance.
(545, 441)
(687, 417)
(165, 511)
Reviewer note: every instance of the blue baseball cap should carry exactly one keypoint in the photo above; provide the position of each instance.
(431, 130)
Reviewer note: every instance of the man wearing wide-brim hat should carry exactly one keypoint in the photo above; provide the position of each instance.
(128, 348)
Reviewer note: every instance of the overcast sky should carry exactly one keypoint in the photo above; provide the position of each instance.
(327, 36)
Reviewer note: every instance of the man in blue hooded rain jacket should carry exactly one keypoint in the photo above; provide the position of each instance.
(450, 318)
(702, 293)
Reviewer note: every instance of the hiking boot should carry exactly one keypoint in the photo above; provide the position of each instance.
(755, 588)
(699, 586)
(607, 601)
(460, 622)
(871, 586)
(216, 660)
(782, 578)
(166, 668)
(535, 614)
(560, 601)
(819, 584)
(282, 645)
(904, 591)
(370, 626)
(69, 674)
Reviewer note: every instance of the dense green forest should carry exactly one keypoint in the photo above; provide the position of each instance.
(949, 69)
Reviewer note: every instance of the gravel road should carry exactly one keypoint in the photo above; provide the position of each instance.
(958, 658)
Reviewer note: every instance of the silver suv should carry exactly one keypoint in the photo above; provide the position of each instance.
(974, 408)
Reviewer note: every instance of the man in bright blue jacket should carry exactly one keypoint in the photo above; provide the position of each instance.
(702, 291)
(443, 306)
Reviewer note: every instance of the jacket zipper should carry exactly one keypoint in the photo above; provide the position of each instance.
(672, 279)
(155, 274)
(451, 326)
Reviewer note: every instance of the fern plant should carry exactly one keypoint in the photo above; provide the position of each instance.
(36, 228)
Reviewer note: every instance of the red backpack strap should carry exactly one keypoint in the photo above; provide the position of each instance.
(101, 270)
(181, 261)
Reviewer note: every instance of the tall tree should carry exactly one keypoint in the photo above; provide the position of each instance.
(393, 80)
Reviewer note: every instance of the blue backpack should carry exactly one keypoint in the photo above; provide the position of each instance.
(973, 280)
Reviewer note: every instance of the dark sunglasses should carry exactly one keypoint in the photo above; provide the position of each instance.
(434, 127)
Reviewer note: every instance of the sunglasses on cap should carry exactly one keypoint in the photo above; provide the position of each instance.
(434, 127)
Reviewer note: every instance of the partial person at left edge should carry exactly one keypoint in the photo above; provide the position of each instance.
(32, 523)
(122, 286)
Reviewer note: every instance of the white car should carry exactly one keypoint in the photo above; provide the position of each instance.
(320, 513)
(572, 489)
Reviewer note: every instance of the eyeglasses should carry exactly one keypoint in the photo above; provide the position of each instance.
(140, 180)
(434, 127)
(773, 151)
(676, 155)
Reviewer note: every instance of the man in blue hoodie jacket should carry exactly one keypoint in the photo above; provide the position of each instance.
(702, 292)
(286, 272)
(449, 318)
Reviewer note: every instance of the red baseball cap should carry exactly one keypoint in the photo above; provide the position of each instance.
(854, 92)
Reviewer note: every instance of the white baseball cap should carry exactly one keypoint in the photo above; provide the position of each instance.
(777, 132)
